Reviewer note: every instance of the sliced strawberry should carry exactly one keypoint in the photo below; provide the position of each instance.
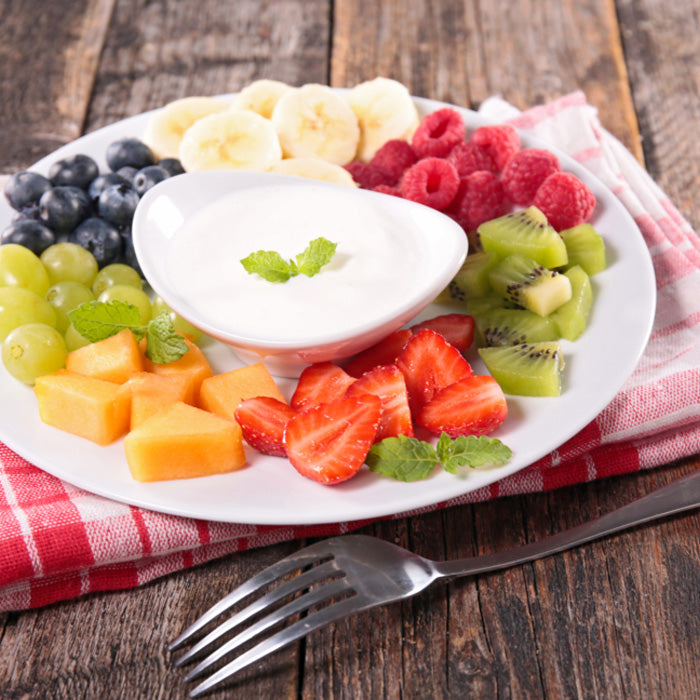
(472, 406)
(429, 363)
(329, 442)
(456, 329)
(387, 382)
(263, 420)
(384, 352)
(322, 382)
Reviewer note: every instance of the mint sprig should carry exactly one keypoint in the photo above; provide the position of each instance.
(271, 266)
(97, 320)
(410, 459)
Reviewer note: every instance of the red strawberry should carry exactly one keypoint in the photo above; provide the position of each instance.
(329, 442)
(472, 406)
(263, 420)
(387, 382)
(429, 363)
(322, 382)
(456, 329)
(384, 352)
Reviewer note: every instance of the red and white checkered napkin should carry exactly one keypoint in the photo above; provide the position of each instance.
(57, 541)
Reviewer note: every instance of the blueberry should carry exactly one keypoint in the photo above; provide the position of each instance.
(148, 177)
(117, 204)
(129, 256)
(128, 172)
(77, 171)
(62, 208)
(172, 165)
(31, 212)
(29, 233)
(100, 238)
(129, 151)
(25, 189)
(101, 182)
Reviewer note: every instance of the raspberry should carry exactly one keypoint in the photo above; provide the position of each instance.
(467, 157)
(500, 140)
(431, 181)
(366, 175)
(480, 198)
(564, 200)
(438, 133)
(387, 189)
(525, 172)
(393, 158)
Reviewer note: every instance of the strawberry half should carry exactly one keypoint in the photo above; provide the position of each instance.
(472, 406)
(384, 352)
(263, 420)
(387, 382)
(329, 442)
(322, 382)
(429, 363)
(456, 329)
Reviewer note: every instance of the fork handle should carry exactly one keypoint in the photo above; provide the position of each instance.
(681, 494)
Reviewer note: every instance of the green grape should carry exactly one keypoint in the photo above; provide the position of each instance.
(64, 297)
(69, 261)
(116, 273)
(130, 295)
(32, 350)
(20, 267)
(73, 339)
(19, 306)
(179, 323)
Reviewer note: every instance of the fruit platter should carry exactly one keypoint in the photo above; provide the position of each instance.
(592, 363)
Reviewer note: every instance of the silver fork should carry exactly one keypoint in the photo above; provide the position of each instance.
(348, 574)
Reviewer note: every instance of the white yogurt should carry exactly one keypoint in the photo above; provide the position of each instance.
(375, 266)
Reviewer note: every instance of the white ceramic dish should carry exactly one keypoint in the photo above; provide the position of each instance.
(269, 491)
(166, 211)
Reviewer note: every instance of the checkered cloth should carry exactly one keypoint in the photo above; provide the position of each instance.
(58, 542)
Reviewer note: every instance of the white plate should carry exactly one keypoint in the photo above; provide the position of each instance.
(269, 491)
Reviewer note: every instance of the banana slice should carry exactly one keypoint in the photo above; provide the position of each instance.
(234, 139)
(166, 127)
(315, 121)
(261, 96)
(314, 168)
(384, 110)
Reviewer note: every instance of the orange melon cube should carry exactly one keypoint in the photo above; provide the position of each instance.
(150, 392)
(113, 359)
(193, 365)
(222, 393)
(91, 408)
(182, 441)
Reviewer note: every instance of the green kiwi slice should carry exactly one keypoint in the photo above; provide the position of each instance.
(585, 247)
(571, 318)
(514, 327)
(472, 280)
(529, 369)
(523, 281)
(527, 233)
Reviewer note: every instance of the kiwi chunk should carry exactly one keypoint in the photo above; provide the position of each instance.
(524, 282)
(571, 318)
(529, 369)
(472, 280)
(585, 247)
(527, 233)
(514, 327)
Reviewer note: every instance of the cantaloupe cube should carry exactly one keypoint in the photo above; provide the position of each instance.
(222, 393)
(150, 392)
(193, 365)
(182, 441)
(113, 359)
(91, 408)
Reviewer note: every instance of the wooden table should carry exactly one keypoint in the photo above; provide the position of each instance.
(615, 619)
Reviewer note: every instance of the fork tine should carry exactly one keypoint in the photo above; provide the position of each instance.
(297, 605)
(299, 629)
(271, 573)
(295, 585)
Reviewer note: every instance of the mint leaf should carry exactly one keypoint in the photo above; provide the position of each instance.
(163, 343)
(317, 254)
(97, 320)
(402, 458)
(471, 451)
(269, 264)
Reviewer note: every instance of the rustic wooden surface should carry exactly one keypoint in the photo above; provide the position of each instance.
(614, 619)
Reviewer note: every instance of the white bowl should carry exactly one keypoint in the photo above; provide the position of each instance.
(428, 252)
